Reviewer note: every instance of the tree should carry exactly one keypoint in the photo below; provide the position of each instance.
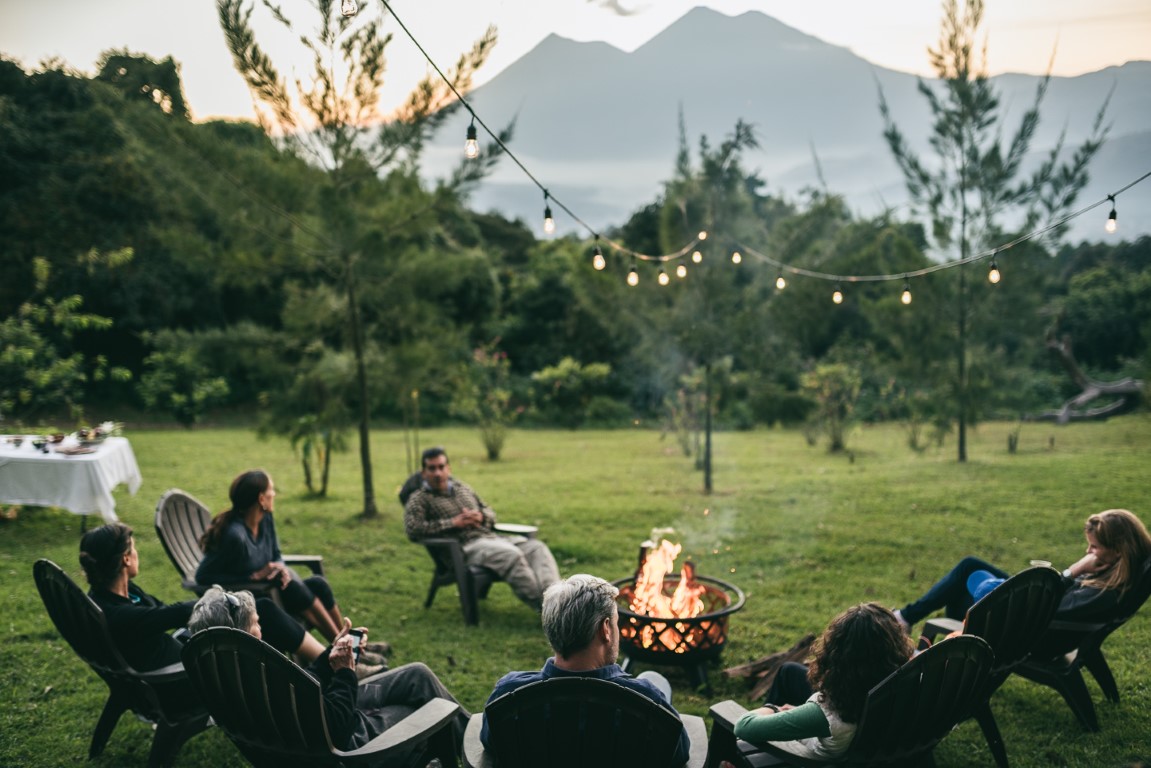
(976, 180)
(835, 389)
(334, 121)
(483, 395)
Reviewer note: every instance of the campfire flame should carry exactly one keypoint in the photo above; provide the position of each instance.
(650, 598)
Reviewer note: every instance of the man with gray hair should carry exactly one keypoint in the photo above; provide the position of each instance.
(581, 621)
(355, 713)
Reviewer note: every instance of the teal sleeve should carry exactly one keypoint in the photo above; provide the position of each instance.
(804, 722)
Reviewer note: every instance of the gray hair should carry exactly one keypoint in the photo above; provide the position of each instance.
(573, 610)
(220, 608)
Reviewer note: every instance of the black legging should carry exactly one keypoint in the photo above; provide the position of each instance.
(280, 630)
(300, 593)
(790, 685)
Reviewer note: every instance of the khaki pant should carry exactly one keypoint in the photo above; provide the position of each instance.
(527, 565)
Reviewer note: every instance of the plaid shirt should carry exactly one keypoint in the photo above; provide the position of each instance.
(429, 513)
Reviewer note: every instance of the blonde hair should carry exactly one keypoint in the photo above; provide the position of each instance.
(1125, 534)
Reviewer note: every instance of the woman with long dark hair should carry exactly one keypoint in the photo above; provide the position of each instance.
(141, 624)
(241, 545)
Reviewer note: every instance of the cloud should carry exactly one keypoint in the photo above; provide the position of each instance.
(615, 6)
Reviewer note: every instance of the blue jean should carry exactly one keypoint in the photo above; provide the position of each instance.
(950, 592)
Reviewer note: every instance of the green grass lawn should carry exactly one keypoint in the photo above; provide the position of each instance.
(804, 533)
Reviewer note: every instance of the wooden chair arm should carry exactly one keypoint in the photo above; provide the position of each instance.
(416, 727)
(727, 713)
(474, 754)
(941, 626)
(697, 733)
(313, 562)
(515, 529)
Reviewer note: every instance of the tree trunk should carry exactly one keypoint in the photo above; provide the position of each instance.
(370, 508)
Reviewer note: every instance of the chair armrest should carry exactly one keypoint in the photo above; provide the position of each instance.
(1075, 626)
(941, 626)
(313, 562)
(168, 674)
(727, 713)
(515, 529)
(416, 727)
(474, 754)
(697, 733)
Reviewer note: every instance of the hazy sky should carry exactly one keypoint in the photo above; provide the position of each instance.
(1085, 35)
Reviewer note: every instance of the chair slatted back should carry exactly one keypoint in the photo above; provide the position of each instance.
(271, 708)
(78, 620)
(579, 722)
(180, 522)
(1013, 616)
(917, 705)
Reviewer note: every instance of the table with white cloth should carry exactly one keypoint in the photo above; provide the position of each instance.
(81, 483)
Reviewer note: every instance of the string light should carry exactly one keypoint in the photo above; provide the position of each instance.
(549, 222)
(780, 283)
(681, 271)
(471, 145)
(837, 297)
(663, 279)
(993, 275)
(597, 259)
(906, 297)
(736, 257)
(1112, 223)
(633, 277)
(349, 8)
(696, 257)
(702, 235)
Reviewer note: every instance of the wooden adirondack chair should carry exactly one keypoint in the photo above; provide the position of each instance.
(1069, 646)
(905, 716)
(572, 722)
(273, 710)
(164, 696)
(1011, 618)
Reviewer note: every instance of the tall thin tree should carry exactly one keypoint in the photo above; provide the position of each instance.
(333, 119)
(977, 180)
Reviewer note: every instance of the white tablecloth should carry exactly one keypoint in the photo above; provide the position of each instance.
(81, 484)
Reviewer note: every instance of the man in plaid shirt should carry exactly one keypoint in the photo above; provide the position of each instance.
(443, 506)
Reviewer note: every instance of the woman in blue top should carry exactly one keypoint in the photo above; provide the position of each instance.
(241, 545)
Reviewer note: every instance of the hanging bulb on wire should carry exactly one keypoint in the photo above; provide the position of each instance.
(837, 297)
(633, 277)
(736, 257)
(663, 278)
(681, 271)
(1112, 222)
(697, 257)
(780, 283)
(993, 276)
(906, 296)
(549, 222)
(471, 144)
(597, 260)
(349, 8)
(702, 235)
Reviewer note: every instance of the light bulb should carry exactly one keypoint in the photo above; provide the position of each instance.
(1112, 224)
(349, 8)
(780, 283)
(837, 297)
(906, 297)
(735, 257)
(633, 278)
(702, 235)
(697, 257)
(471, 145)
(549, 222)
(663, 278)
(597, 259)
(681, 271)
(993, 276)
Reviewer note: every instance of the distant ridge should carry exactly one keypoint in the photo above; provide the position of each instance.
(599, 126)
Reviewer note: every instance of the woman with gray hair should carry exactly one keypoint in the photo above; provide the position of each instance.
(355, 713)
(581, 620)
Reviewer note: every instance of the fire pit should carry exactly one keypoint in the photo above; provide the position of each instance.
(675, 621)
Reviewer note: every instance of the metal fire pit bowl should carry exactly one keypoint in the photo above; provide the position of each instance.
(690, 642)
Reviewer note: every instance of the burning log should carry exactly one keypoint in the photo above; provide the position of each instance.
(765, 668)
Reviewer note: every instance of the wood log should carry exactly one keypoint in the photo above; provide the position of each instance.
(763, 670)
